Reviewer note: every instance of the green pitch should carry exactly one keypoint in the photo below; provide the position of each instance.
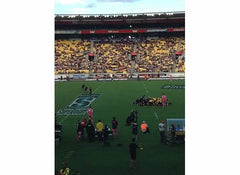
(116, 99)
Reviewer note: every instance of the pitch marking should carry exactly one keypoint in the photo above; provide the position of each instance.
(85, 112)
(156, 115)
(63, 119)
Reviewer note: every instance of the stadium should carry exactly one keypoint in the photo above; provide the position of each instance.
(109, 62)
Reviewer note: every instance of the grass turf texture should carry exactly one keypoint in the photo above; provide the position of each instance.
(116, 99)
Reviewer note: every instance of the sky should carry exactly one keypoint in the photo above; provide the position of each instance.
(117, 6)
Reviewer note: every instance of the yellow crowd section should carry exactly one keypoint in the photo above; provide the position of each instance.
(155, 55)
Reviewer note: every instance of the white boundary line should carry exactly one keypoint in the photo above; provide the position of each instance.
(99, 87)
(156, 115)
(63, 119)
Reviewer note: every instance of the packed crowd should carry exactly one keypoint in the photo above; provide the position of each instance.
(154, 55)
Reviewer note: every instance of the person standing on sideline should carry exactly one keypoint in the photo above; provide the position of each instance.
(90, 131)
(90, 114)
(79, 130)
(161, 128)
(133, 153)
(105, 136)
(99, 127)
(114, 127)
(144, 127)
(173, 133)
(135, 130)
(164, 100)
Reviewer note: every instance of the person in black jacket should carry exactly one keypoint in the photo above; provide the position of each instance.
(173, 133)
(105, 136)
(114, 127)
(132, 150)
(90, 131)
(135, 130)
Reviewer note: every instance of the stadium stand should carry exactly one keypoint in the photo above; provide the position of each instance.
(155, 55)
(155, 37)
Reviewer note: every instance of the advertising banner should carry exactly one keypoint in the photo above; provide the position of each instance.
(118, 31)
(156, 30)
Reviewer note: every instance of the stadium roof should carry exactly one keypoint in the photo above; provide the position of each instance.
(122, 15)
(120, 18)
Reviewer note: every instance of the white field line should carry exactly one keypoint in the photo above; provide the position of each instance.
(63, 119)
(145, 88)
(156, 115)
(85, 112)
(99, 87)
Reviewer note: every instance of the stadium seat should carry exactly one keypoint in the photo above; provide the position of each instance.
(154, 56)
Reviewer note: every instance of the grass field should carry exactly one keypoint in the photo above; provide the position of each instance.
(116, 99)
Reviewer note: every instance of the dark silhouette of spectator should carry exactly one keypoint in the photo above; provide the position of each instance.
(173, 133)
(133, 153)
(114, 127)
(90, 131)
(135, 130)
(105, 136)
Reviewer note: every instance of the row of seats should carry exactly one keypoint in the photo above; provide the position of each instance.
(155, 55)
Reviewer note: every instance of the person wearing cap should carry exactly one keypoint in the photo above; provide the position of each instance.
(144, 127)
(161, 128)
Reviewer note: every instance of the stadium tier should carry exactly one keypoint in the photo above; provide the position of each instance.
(154, 55)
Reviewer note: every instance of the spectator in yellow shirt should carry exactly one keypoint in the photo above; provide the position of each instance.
(99, 127)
